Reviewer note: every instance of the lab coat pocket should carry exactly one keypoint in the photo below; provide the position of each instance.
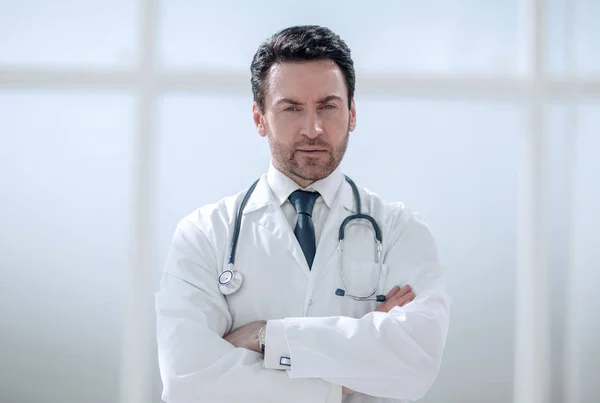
(361, 277)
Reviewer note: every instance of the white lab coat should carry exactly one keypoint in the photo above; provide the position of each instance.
(331, 340)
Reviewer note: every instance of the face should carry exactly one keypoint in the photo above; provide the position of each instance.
(306, 119)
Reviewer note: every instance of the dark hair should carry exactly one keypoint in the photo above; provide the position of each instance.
(300, 43)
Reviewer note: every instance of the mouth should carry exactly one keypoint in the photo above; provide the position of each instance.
(312, 150)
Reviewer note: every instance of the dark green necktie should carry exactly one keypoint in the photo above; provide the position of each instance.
(304, 202)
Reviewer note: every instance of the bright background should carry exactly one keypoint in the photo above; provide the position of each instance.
(119, 117)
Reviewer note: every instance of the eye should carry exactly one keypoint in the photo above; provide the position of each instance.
(290, 109)
(328, 106)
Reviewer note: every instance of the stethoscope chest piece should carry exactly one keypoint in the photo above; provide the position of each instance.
(230, 281)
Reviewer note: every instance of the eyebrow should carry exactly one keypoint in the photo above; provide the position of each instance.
(293, 101)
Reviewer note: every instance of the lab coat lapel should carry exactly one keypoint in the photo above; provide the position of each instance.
(276, 223)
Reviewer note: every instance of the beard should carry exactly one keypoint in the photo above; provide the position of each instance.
(308, 168)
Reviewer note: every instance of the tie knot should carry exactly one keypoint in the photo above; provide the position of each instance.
(303, 201)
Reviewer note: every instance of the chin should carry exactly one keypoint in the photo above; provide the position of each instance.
(311, 168)
(314, 173)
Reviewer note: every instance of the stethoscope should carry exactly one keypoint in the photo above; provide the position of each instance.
(230, 280)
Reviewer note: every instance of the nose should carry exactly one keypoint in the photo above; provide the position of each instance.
(313, 125)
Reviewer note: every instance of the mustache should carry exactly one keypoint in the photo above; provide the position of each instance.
(316, 142)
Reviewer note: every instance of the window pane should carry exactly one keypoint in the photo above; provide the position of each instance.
(101, 33)
(586, 221)
(453, 161)
(65, 163)
(575, 347)
(586, 32)
(559, 136)
(419, 36)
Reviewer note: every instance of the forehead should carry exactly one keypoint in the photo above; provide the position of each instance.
(305, 80)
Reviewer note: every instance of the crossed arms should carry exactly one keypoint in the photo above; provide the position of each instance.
(393, 352)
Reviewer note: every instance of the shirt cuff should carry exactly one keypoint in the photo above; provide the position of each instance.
(277, 353)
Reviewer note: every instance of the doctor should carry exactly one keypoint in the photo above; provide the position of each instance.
(295, 315)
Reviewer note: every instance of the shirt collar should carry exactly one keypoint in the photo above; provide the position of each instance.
(282, 186)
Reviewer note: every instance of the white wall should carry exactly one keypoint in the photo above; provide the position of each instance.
(66, 174)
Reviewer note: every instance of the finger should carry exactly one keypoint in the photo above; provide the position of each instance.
(390, 295)
(405, 290)
(392, 292)
(402, 291)
(391, 299)
(404, 299)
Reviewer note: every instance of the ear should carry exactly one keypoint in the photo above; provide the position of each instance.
(259, 120)
(352, 122)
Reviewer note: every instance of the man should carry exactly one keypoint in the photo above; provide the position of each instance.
(277, 330)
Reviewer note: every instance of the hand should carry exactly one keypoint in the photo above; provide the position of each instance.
(246, 336)
(398, 296)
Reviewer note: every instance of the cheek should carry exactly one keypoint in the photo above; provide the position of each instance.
(284, 126)
(336, 122)
(289, 118)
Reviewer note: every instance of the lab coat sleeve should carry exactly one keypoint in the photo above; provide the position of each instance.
(395, 354)
(196, 363)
